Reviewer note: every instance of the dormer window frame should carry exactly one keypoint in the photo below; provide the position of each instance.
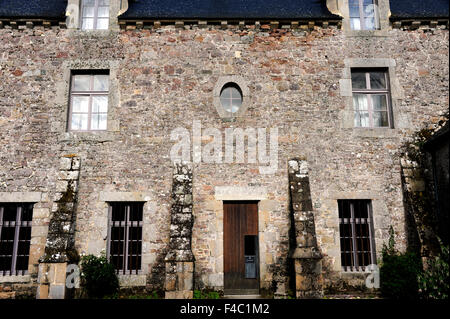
(362, 15)
(95, 17)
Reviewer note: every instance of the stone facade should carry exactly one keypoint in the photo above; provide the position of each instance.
(165, 78)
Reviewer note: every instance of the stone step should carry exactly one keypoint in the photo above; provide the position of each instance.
(242, 297)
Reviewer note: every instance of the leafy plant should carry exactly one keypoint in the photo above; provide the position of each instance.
(398, 272)
(98, 276)
(434, 280)
(152, 295)
(204, 294)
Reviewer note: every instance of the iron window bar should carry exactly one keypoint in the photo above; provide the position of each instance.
(15, 239)
(359, 241)
(125, 251)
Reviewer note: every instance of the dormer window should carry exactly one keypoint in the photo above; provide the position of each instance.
(364, 15)
(94, 14)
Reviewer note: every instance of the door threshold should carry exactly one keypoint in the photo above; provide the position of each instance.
(242, 297)
(241, 292)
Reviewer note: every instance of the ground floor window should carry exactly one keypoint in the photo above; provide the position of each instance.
(15, 237)
(356, 234)
(125, 236)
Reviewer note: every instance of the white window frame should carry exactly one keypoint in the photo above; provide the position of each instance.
(96, 5)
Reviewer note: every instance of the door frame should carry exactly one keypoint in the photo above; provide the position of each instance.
(258, 259)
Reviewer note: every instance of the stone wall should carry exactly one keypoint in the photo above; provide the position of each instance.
(164, 79)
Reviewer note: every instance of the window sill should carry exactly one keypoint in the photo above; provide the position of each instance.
(15, 279)
(93, 33)
(366, 33)
(93, 136)
(377, 132)
(132, 280)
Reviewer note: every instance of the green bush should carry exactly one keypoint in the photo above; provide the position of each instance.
(205, 294)
(98, 276)
(398, 273)
(434, 281)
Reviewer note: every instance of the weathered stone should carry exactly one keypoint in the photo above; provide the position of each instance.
(133, 154)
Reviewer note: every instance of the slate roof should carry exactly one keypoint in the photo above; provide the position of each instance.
(49, 9)
(227, 9)
(419, 9)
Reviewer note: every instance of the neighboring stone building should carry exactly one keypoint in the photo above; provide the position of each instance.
(96, 95)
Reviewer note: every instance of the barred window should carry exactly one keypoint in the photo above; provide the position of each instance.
(125, 236)
(95, 14)
(89, 101)
(356, 233)
(371, 98)
(15, 237)
(364, 15)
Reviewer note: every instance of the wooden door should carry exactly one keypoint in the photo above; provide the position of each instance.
(240, 226)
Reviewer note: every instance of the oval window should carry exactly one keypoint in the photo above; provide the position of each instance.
(231, 97)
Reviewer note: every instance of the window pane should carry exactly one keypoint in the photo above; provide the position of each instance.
(9, 213)
(5, 263)
(101, 82)
(354, 11)
(369, 24)
(27, 212)
(360, 102)
(359, 80)
(362, 119)
(235, 94)
(226, 103)
(369, 10)
(103, 12)
(88, 12)
(88, 24)
(103, 2)
(6, 248)
(102, 24)
(79, 122)
(81, 82)
(80, 104)
(355, 24)
(89, 2)
(100, 104)
(235, 105)
(25, 233)
(379, 102)
(136, 212)
(226, 93)
(377, 80)
(98, 122)
(380, 119)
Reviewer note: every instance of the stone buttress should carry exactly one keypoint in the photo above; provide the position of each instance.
(59, 247)
(306, 255)
(179, 260)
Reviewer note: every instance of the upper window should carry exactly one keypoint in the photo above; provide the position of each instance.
(125, 239)
(364, 15)
(15, 237)
(356, 234)
(88, 102)
(94, 14)
(231, 97)
(371, 98)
